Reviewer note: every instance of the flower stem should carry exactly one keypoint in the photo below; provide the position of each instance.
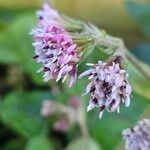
(82, 122)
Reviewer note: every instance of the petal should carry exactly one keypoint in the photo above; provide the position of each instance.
(73, 80)
(100, 114)
(115, 105)
(118, 110)
(72, 48)
(90, 64)
(127, 101)
(86, 73)
(60, 74)
(119, 80)
(128, 89)
(90, 77)
(64, 78)
(90, 106)
(88, 88)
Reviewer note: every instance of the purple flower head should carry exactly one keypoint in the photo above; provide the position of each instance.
(109, 86)
(54, 47)
(138, 137)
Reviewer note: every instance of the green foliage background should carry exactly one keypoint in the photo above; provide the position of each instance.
(22, 91)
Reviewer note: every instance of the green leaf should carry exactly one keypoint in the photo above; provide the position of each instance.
(39, 143)
(140, 13)
(21, 112)
(15, 144)
(5, 55)
(97, 53)
(16, 46)
(107, 130)
(16, 38)
(139, 83)
(82, 144)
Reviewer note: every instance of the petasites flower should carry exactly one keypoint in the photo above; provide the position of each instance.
(109, 86)
(54, 47)
(138, 137)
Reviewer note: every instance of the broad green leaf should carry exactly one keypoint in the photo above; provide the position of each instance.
(7, 56)
(140, 13)
(83, 144)
(21, 112)
(39, 143)
(107, 130)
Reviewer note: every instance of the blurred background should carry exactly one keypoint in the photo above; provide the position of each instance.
(22, 91)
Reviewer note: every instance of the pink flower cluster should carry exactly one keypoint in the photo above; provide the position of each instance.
(138, 137)
(54, 47)
(66, 115)
(109, 86)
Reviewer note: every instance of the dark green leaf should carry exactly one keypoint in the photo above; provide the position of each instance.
(83, 144)
(39, 143)
(15, 144)
(21, 112)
